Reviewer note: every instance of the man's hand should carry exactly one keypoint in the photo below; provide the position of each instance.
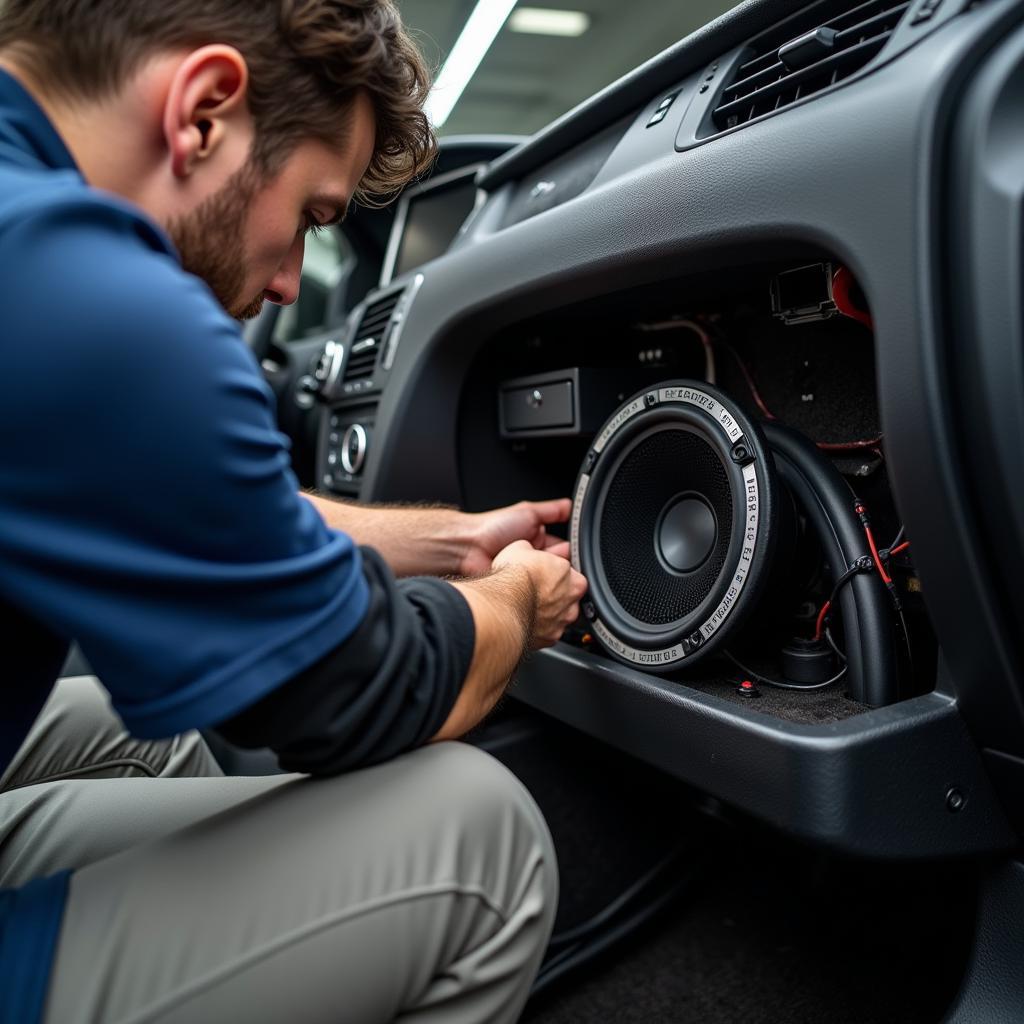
(557, 589)
(491, 532)
(444, 541)
(530, 597)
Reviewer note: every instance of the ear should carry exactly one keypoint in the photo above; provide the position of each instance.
(206, 100)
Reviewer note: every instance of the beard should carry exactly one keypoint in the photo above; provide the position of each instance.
(210, 241)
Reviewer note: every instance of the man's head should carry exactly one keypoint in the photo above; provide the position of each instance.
(236, 125)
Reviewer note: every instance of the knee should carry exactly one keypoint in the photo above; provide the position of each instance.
(502, 831)
(481, 786)
(82, 702)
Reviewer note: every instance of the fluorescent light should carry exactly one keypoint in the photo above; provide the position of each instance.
(475, 40)
(543, 21)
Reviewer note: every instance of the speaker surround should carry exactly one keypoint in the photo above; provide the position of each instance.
(673, 524)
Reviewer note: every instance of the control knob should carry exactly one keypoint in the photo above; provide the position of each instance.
(354, 443)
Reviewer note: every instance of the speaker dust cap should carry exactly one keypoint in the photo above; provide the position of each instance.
(673, 524)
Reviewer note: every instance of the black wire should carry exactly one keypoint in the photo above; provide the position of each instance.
(833, 644)
(848, 575)
(583, 952)
(906, 638)
(863, 566)
(899, 610)
(574, 935)
(860, 566)
(777, 683)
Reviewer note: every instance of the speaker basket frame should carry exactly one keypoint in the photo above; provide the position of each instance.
(743, 451)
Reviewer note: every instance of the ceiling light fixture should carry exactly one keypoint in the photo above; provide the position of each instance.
(469, 50)
(543, 21)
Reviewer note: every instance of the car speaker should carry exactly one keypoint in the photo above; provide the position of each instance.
(674, 523)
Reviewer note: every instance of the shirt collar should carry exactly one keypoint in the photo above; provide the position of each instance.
(26, 132)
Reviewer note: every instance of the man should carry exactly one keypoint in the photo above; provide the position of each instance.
(147, 510)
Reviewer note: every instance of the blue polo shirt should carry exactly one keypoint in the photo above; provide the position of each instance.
(147, 506)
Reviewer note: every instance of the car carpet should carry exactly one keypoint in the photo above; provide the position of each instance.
(781, 935)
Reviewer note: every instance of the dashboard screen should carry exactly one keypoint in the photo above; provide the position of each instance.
(432, 219)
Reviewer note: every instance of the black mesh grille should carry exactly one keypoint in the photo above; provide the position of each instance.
(660, 467)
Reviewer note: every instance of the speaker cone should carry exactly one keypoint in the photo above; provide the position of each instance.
(673, 524)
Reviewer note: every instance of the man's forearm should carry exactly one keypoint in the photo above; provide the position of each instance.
(502, 605)
(413, 541)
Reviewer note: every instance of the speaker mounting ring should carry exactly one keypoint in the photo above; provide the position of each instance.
(697, 414)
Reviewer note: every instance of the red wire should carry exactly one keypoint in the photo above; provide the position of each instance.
(846, 446)
(842, 282)
(759, 401)
(827, 446)
(820, 625)
(886, 579)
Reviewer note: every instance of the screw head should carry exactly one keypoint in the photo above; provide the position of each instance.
(589, 611)
(955, 800)
(741, 453)
(650, 399)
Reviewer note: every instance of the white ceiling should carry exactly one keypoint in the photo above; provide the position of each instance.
(526, 81)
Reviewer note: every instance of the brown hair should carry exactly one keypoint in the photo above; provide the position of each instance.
(307, 59)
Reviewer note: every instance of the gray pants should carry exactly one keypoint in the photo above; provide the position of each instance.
(422, 890)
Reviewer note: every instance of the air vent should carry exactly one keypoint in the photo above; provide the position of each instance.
(368, 342)
(812, 50)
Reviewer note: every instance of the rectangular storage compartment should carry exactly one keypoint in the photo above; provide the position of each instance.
(533, 404)
(573, 402)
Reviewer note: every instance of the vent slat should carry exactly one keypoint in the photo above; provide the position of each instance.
(885, 21)
(369, 337)
(764, 84)
(849, 60)
(837, 14)
(745, 86)
(815, 15)
(374, 323)
(759, 64)
(882, 23)
(783, 78)
(864, 12)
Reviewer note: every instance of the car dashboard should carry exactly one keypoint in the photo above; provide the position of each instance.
(806, 214)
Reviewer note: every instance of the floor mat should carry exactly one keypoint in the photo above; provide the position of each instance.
(780, 935)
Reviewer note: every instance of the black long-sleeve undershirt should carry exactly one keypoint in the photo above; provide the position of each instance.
(387, 689)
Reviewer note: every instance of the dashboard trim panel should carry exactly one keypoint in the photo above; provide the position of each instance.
(873, 785)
